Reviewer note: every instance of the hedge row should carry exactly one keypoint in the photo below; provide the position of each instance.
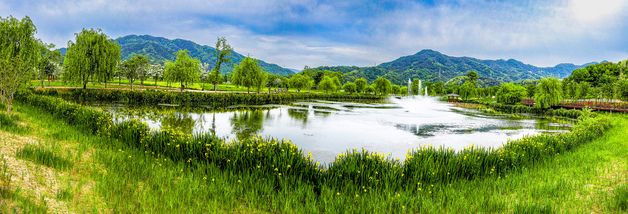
(154, 97)
(519, 109)
(277, 159)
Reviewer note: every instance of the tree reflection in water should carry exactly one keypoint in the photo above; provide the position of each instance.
(247, 123)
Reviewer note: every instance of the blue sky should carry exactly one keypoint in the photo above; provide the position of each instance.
(295, 33)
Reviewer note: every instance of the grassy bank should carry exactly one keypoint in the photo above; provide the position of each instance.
(108, 175)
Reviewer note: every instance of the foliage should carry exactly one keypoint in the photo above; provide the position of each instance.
(510, 93)
(300, 82)
(135, 67)
(215, 100)
(249, 74)
(223, 50)
(49, 62)
(18, 54)
(360, 85)
(382, 86)
(328, 84)
(548, 93)
(93, 54)
(349, 87)
(467, 90)
(184, 69)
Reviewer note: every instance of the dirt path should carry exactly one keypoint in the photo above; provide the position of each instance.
(35, 181)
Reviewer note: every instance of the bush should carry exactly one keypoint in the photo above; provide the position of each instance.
(212, 100)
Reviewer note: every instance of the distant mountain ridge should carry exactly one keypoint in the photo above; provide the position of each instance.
(432, 65)
(160, 49)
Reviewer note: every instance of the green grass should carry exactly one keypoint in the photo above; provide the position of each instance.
(43, 156)
(126, 179)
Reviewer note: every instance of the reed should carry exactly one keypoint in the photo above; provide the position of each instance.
(276, 159)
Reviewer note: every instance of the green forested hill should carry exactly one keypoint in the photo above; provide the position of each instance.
(160, 49)
(432, 65)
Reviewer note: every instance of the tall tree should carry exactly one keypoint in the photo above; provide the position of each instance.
(184, 69)
(360, 85)
(249, 74)
(135, 67)
(49, 62)
(473, 75)
(548, 93)
(223, 50)
(510, 93)
(18, 54)
(92, 54)
(382, 86)
(300, 82)
(327, 84)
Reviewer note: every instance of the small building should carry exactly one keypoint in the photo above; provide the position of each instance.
(453, 97)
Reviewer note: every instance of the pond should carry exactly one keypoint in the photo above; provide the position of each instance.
(327, 129)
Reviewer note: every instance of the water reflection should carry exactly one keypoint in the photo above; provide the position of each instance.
(329, 128)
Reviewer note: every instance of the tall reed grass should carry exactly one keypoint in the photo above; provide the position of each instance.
(281, 159)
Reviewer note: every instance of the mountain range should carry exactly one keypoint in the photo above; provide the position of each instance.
(434, 66)
(159, 49)
(426, 64)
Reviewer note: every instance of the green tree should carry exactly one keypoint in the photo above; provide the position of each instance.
(92, 54)
(403, 90)
(473, 75)
(184, 69)
(300, 82)
(382, 86)
(510, 93)
(467, 90)
(349, 87)
(223, 50)
(249, 74)
(395, 89)
(548, 93)
(360, 85)
(49, 62)
(18, 54)
(134, 67)
(327, 84)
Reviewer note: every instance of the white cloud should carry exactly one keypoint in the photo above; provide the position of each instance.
(536, 32)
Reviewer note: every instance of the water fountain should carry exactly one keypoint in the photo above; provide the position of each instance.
(409, 87)
(419, 89)
(426, 94)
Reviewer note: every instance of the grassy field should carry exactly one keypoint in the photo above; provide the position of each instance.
(56, 168)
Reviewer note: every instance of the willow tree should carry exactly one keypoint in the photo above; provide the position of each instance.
(223, 50)
(18, 55)
(382, 86)
(548, 93)
(93, 54)
(184, 69)
(249, 74)
(360, 85)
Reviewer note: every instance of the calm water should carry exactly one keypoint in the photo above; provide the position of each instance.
(329, 128)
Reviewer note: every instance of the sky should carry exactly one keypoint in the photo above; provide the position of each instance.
(296, 33)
